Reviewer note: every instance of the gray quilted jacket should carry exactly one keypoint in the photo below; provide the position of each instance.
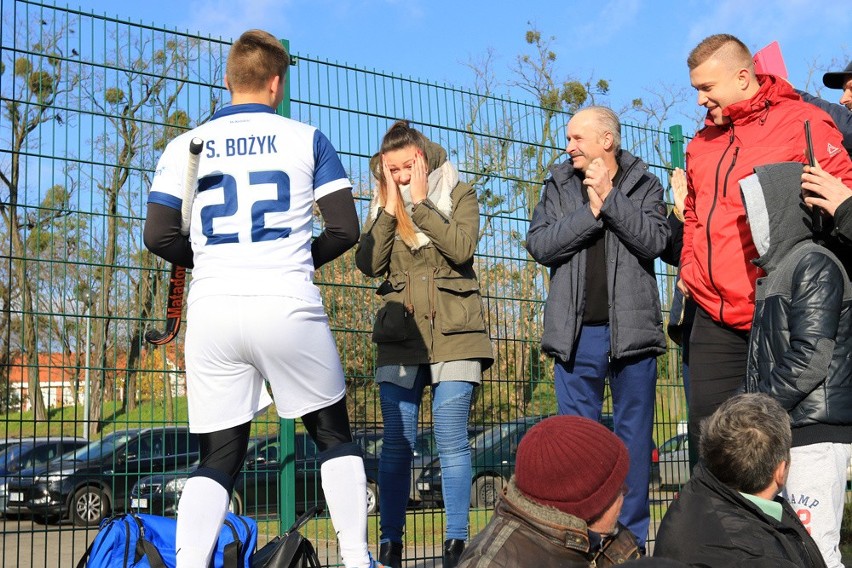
(562, 226)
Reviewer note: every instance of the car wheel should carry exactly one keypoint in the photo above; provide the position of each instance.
(486, 490)
(372, 498)
(236, 504)
(89, 507)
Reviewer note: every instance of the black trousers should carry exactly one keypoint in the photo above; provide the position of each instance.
(717, 366)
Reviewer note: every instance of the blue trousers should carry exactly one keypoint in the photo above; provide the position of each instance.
(579, 392)
(450, 412)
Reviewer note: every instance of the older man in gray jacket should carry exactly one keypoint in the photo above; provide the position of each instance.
(599, 226)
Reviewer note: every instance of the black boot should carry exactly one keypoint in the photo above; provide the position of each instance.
(390, 554)
(453, 549)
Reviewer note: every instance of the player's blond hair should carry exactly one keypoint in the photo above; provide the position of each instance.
(255, 58)
(726, 48)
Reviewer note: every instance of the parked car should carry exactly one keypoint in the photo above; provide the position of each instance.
(256, 491)
(23, 454)
(493, 459)
(94, 481)
(674, 461)
(425, 451)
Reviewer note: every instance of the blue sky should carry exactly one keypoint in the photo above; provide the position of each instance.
(636, 44)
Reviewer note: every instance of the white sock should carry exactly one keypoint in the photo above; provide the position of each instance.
(345, 488)
(201, 512)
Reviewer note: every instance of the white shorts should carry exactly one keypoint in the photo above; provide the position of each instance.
(233, 343)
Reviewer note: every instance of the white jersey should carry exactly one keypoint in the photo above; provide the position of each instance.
(258, 178)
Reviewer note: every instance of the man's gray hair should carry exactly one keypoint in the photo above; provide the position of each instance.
(743, 442)
(607, 121)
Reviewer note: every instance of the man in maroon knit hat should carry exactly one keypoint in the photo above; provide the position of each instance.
(561, 507)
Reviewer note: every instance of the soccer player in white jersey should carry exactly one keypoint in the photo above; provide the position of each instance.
(253, 302)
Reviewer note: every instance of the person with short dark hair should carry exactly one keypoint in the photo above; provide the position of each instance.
(729, 513)
(561, 507)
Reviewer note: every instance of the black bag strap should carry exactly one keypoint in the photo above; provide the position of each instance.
(144, 547)
(231, 553)
(306, 516)
(85, 557)
(309, 555)
(291, 550)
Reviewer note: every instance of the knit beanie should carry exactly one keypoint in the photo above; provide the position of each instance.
(573, 464)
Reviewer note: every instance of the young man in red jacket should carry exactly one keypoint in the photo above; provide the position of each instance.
(751, 121)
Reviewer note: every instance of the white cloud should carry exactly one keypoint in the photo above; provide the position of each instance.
(229, 19)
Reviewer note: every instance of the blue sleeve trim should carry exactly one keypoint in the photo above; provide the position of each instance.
(327, 166)
(165, 199)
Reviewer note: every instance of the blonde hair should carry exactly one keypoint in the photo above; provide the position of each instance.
(400, 135)
(255, 58)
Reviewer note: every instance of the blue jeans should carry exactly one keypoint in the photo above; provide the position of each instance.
(450, 411)
(633, 382)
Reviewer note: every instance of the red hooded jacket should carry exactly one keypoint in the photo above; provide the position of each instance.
(717, 246)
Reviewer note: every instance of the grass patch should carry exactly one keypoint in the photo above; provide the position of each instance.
(424, 527)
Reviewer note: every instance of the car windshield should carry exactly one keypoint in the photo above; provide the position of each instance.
(492, 436)
(100, 448)
(11, 456)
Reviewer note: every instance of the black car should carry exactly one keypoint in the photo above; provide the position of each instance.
(493, 455)
(94, 481)
(424, 452)
(21, 455)
(256, 491)
(493, 460)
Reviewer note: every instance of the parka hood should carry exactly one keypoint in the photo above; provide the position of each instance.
(777, 216)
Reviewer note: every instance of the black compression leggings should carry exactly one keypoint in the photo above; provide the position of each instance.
(223, 452)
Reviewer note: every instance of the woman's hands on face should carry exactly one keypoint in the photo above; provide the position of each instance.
(391, 190)
(419, 178)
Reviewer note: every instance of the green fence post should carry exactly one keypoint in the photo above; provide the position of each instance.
(287, 431)
(677, 146)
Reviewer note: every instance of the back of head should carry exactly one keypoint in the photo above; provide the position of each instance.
(573, 464)
(743, 442)
(724, 47)
(255, 58)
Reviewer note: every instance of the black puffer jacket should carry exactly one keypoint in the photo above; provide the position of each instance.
(801, 339)
(714, 526)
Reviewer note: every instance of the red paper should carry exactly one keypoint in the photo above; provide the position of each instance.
(768, 61)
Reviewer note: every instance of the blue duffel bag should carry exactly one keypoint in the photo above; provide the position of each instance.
(148, 541)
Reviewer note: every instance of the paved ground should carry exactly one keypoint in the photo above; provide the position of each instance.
(32, 545)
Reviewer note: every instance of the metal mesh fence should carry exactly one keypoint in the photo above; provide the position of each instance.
(88, 104)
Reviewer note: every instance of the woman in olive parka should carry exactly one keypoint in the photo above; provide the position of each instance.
(420, 237)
